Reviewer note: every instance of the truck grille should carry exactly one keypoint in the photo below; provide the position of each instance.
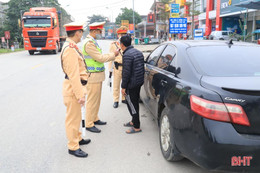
(38, 42)
(37, 33)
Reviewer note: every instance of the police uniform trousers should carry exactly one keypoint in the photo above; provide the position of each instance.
(93, 103)
(72, 122)
(116, 85)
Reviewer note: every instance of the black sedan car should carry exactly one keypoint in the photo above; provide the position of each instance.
(206, 97)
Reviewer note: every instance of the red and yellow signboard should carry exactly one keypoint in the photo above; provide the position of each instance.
(7, 35)
(131, 27)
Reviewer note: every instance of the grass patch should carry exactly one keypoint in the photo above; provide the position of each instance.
(9, 50)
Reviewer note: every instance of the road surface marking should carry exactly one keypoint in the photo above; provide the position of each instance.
(34, 67)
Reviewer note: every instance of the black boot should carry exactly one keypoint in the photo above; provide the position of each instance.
(93, 129)
(84, 141)
(78, 153)
(115, 105)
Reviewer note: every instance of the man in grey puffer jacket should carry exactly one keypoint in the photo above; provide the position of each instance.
(132, 80)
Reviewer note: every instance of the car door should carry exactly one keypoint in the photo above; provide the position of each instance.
(150, 63)
(159, 76)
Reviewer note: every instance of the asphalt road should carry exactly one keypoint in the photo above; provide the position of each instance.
(32, 132)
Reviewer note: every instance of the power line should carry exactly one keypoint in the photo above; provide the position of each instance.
(118, 3)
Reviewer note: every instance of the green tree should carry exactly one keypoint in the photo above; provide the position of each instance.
(164, 15)
(96, 18)
(193, 11)
(127, 14)
(16, 10)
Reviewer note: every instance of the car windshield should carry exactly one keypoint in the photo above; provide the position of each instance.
(224, 33)
(37, 22)
(222, 61)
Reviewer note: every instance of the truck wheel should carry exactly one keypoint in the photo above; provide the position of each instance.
(31, 52)
(57, 49)
(167, 144)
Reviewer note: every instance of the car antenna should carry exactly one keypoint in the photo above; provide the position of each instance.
(230, 43)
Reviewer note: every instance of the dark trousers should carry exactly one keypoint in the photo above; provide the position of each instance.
(134, 94)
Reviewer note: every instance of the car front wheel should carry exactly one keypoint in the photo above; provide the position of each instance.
(168, 147)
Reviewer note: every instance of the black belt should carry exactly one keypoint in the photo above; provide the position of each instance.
(83, 82)
(117, 64)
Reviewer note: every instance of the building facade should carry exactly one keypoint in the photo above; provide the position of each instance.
(227, 15)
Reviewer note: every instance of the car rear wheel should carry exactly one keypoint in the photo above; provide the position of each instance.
(168, 147)
(31, 52)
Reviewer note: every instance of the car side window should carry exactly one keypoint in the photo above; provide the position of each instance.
(166, 57)
(154, 56)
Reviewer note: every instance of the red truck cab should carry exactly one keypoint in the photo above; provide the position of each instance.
(41, 30)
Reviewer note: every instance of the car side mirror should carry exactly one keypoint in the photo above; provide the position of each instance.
(178, 71)
(173, 69)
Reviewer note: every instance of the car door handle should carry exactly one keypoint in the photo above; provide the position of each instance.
(164, 82)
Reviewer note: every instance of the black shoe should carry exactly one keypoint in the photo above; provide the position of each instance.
(124, 101)
(78, 153)
(84, 141)
(93, 129)
(99, 122)
(115, 105)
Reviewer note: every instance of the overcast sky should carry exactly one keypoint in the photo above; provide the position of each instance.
(81, 9)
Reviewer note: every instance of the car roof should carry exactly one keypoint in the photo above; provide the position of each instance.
(193, 43)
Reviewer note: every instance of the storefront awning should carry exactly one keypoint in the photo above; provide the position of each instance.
(252, 4)
(257, 31)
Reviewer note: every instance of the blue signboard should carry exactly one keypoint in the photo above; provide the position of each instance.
(198, 34)
(175, 8)
(178, 25)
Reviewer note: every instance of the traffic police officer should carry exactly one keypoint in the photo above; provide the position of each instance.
(117, 68)
(74, 90)
(95, 63)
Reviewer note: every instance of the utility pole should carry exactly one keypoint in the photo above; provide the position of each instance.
(145, 28)
(245, 24)
(134, 17)
(154, 18)
(192, 20)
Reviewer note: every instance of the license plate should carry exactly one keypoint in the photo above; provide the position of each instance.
(38, 48)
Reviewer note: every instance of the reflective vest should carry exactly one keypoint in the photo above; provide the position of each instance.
(92, 65)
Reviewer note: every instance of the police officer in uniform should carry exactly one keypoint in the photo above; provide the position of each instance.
(95, 63)
(117, 68)
(74, 91)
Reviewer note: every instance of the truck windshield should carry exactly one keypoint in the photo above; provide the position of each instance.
(37, 22)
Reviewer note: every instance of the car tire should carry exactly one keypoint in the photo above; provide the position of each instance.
(221, 39)
(31, 52)
(57, 49)
(168, 147)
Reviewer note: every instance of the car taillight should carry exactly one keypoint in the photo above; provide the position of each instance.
(219, 111)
